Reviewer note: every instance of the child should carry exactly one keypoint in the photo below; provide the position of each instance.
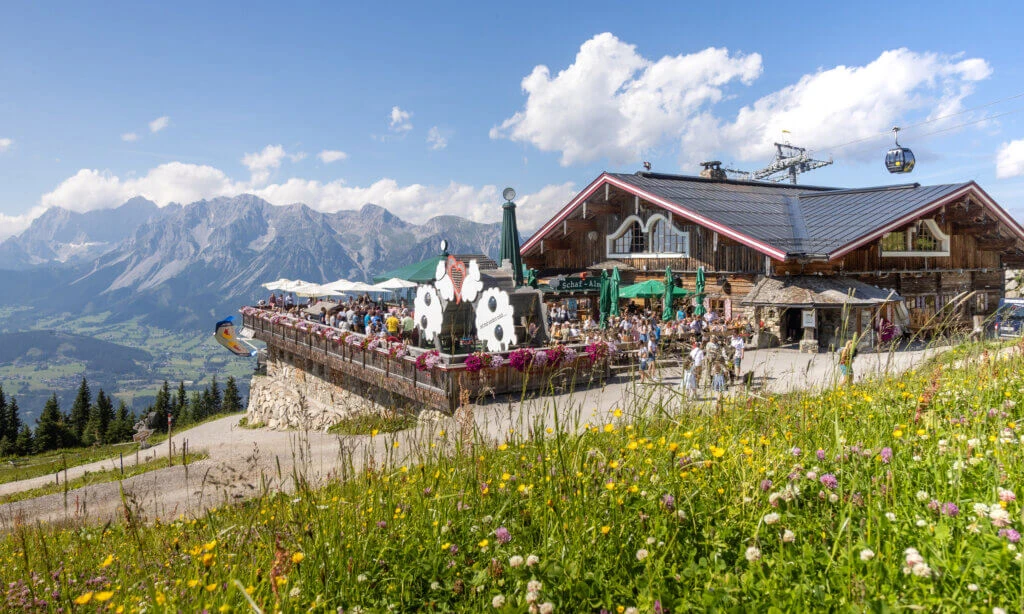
(645, 360)
(689, 381)
(718, 369)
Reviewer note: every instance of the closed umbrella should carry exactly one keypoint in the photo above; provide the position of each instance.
(698, 309)
(666, 312)
(605, 299)
(613, 292)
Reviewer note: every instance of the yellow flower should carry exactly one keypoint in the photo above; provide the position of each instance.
(208, 559)
(617, 413)
(608, 428)
(160, 599)
(211, 587)
(107, 561)
(297, 557)
(193, 583)
(224, 608)
(717, 452)
(483, 543)
(897, 433)
(84, 598)
(208, 546)
(394, 445)
(503, 447)
(374, 432)
(119, 610)
(605, 529)
(104, 595)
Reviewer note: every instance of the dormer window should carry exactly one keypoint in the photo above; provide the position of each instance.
(923, 238)
(657, 238)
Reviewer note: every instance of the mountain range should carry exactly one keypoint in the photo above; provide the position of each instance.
(179, 266)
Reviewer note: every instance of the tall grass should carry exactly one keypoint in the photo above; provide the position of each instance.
(798, 502)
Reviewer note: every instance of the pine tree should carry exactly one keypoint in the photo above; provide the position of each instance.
(215, 398)
(181, 405)
(50, 430)
(122, 426)
(197, 404)
(13, 419)
(160, 409)
(23, 445)
(232, 399)
(5, 432)
(79, 416)
(100, 417)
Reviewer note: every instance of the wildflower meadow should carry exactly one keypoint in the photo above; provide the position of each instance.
(897, 494)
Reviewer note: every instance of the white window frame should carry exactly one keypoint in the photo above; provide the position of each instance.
(911, 232)
(646, 229)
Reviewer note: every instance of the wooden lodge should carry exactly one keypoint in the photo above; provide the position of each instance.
(903, 252)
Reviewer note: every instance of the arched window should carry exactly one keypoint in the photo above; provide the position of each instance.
(629, 238)
(664, 238)
(658, 237)
(922, 238)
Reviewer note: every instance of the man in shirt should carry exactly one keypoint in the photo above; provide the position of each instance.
(392, 323)
(737, 343)
(408, 324)
(697, 356)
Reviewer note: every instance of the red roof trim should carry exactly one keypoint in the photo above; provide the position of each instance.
(971, 188)
(665, 204)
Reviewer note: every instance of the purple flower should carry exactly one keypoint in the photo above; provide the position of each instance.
(1011, 535)
(381, 524)
(829, 481)
(766, 485)
(453, 549)
(658, 609)
(934, 505)
(885, 455)
(796, 451)
(950, 509)
(668, 501)
(820, 454)
(502, 535)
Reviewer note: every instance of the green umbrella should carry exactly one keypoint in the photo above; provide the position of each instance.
(666, 313)
(605, 299)
(698, 310)
(509, 248)
(531, 278)
(613, 293)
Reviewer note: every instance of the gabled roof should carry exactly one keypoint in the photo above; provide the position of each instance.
(781, 220)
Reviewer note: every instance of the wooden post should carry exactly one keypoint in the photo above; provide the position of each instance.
(121, 454)
(170, 459)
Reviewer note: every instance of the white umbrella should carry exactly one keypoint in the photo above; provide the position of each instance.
(358, 286)
(395, 284)
(341, 286)
(308, 289)
(280, 284)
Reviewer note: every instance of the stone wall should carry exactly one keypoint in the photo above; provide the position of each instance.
(292, 397)
(1014, 287)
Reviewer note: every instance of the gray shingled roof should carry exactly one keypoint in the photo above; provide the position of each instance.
(795, 219)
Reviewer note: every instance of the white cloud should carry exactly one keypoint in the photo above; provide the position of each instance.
(159, 123)
(613, 103)
(11, 225)
(400, 120)
(5, 144)
(129, 137)
(90, 189)
(435, 139)
(1010, 159)
(622, 105)
(261, 163)
(331, 155)
(840, 105)
(297, 156)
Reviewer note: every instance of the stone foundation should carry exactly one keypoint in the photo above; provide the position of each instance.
(290, 397)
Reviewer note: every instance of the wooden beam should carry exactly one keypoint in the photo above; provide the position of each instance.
(995, 244)
(553, 244)
(602, 209)
(976, 227)
(581, 225)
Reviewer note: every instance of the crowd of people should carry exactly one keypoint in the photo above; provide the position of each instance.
(362, 315)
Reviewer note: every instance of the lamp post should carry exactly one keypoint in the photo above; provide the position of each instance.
(509, 250)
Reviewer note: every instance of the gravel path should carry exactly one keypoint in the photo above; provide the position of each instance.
(242, 462)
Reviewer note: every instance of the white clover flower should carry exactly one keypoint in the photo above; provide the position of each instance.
(921, 570)
(972, 587)
(773, 499)
(974, 442)
(534, 586)
(771, 518)
(890, 516)
(811, 475)
(980, 510)
(921, 523)
(916, 458)
(547, 607)
(974, 528)
(487, 519)
(632, 610)
(833, 498)
(788, 536)
(999, 517)
(1006, 495)
(641, 554)
(532, 560)
(866, 554)
(681, 514)
(361, 578)
(650, 541)
(515, 561)
(974, 461)
(532, 597)
(753, 554)
(998, 611)
(498, 601)
(922, 496)
(435, 585)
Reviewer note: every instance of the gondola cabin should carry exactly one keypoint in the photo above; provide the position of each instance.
(899, 159)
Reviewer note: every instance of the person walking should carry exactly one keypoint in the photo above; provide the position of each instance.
(846, 357)
(697, 356)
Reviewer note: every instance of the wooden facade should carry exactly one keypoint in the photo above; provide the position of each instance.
(980, 242)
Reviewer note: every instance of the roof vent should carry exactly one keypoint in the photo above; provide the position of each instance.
(713, 170)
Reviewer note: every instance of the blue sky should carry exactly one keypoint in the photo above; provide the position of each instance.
(427, 100)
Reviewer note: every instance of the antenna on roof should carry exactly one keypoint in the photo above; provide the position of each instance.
(789, 159)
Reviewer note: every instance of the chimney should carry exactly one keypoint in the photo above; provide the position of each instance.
(713, 170)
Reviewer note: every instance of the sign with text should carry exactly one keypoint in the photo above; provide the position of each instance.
(576, 284)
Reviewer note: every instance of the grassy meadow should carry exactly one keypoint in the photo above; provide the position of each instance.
(899, 494)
